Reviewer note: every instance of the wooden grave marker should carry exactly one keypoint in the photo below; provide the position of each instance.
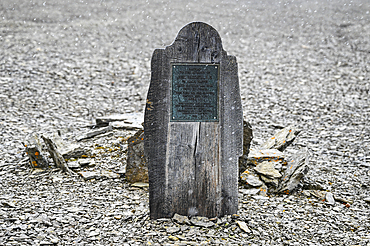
(193, 127)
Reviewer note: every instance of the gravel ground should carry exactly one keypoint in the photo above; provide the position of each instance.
(64, 63)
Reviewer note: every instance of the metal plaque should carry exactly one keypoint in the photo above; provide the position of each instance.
(194, 92)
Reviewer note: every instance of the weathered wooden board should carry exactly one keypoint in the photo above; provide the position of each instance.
(193, 162)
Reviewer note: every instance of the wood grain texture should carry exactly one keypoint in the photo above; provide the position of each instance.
(193, 166)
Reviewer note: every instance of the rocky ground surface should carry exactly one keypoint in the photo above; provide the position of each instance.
(65, 63)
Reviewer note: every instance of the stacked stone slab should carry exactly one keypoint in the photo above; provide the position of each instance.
(263, 168)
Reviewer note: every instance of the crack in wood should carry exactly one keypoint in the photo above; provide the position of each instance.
(193, 166)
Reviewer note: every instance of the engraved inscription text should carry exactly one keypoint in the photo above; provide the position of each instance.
(194, 92)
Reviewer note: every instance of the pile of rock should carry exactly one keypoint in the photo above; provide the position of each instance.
(137, 165)
(79, 156)
(266, 170)
(263, 170)
(40, 147)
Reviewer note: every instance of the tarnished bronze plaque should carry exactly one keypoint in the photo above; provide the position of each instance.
(194, 92)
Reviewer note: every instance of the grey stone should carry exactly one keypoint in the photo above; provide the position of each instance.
(173, 238)
(243, 226)
(109, 174)
(264, 190)
(342, 199)
(259, 197)
(122, 170)
(297, 168)
(38, 171)
(140, 185)
(330, 198)
(249, 192)
(69, 150)
(124, 125)
(267, 169)
(181, 219)
(94, 233)
(133, 119)
(307, 185)
(270, 181)
(43, 218)
(87, 175)
(137, 167)
(86, 162)
(282, 139)
(54, 240)
(46, 243)
(257, 156)
(201, 221)
(8, 204)
(22, 237)
(56, 155)
(247, 138)
(73, 164)
(318, 194)
(173, 229)
(250, 179)
(34, 151)
(337, 209)
(94, 133)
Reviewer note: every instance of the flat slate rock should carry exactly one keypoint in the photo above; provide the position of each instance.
(267, 169)
(124, 125)
(137, 164)
(250, 179)
(133, 119)
(260, 155)
(247, 138)
(94, 133)
(181, 219)
(297, 168)
(68, 149)
(140, 185)
(87, 175)
(282, 139)
(243, 226)
(201, 221)
(329, 198)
